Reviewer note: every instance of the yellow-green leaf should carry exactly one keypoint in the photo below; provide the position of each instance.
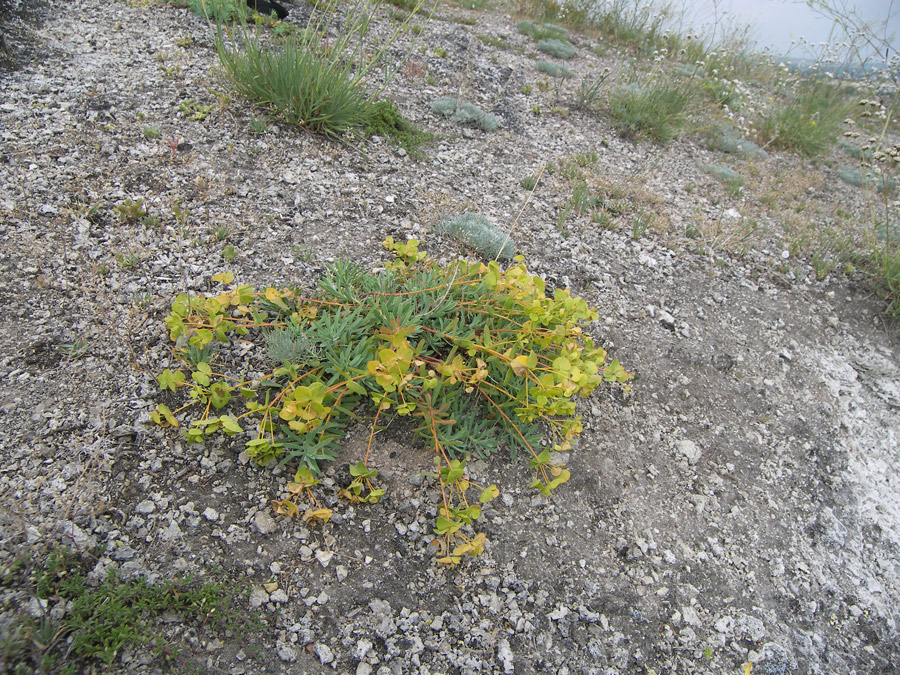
(489, 493)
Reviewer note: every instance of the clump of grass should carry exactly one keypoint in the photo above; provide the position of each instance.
(656, 111)
(465, 113)
(554, 69)
(808, 119)
(553, 15)
(305, 88)
(529, 183)
(561, 49)
(589, 91)
(326, 88)
(887, 273)
(258, 126)
(478, 233)
(641, 24)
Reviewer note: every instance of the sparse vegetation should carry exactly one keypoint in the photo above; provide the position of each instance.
(99, 621)
(541, 32)
(731, 178)
(887, 274)
(258, 126)
(218, 11)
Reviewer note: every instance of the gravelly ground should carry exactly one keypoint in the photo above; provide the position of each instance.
(740, 505)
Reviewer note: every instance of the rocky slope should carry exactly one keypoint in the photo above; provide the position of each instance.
(740, 506)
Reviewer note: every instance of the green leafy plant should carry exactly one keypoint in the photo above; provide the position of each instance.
(473, 355)
(258, 126)
(76, 349)
(220, 233)
(193, 110)
(152, 222)
(127, 261)
(151, 132)
(142, 299)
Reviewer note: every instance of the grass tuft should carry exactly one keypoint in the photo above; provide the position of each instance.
(304, 87)
(887, 273)
(218, 11)
(321, 77)
(654, 111)
(808, 120)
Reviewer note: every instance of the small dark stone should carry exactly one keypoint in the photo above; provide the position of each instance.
(723, 363)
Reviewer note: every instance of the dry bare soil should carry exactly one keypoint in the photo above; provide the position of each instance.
(741, 505)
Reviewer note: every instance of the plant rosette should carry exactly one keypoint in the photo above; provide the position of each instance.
(477, 356)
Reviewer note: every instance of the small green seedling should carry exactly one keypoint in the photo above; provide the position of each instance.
(130, 211)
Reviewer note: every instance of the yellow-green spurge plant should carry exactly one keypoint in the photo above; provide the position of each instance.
(476, 356)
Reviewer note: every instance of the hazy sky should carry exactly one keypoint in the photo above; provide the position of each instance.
(775, 23)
